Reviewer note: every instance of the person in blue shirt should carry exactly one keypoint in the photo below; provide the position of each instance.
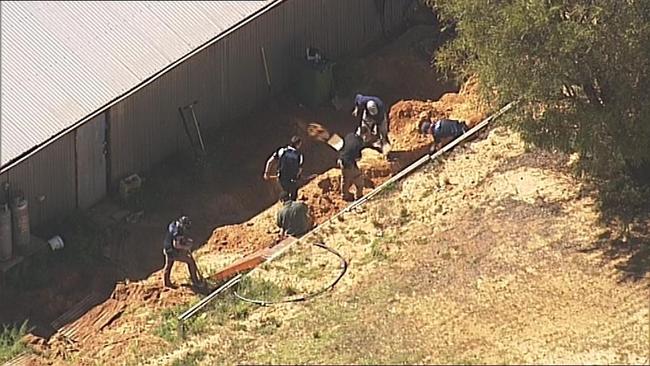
(177, 247)
(371, 112)
(443, 131)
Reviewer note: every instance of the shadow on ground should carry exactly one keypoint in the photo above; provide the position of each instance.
(631, 252)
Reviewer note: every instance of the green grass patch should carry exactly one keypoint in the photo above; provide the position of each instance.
(228, 307)
(377, 250)
(168, 327)
(260, 289)
(11, 341)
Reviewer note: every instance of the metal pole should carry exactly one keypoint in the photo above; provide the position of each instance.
(266, 69)
(187, 131)
(196, 125)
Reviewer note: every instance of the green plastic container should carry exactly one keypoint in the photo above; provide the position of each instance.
(313, 86)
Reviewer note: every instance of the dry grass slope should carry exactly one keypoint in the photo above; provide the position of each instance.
(476, 259)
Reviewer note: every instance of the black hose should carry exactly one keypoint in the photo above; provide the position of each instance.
(306, 297)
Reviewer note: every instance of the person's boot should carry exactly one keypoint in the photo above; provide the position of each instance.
(167, 282)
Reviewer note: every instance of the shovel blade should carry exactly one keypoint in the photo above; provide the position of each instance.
(336, 142)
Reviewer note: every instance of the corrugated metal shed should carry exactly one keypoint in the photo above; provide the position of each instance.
(63, 60)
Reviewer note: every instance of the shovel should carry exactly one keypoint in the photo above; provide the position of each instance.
(335, 141)
(198, 270)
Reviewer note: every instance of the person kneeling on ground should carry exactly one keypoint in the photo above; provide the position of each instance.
(444, 131)
(350, 153)
(290, 162)
(293, 218)
(176, 247)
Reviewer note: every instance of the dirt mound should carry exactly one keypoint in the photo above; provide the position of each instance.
(245, 237)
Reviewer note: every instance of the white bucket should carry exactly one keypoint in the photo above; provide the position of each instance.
(56, 242)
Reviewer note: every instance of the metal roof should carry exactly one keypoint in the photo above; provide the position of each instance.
(64, 60)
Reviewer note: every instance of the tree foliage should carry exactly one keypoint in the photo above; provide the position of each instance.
(580, 69)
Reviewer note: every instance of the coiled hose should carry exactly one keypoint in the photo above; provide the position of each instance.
(344, 265)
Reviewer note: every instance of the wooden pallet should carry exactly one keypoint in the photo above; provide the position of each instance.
(76, 311)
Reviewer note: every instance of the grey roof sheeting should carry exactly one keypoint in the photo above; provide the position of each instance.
(64, 60)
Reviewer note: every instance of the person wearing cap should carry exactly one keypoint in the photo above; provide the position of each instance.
(177, 247)
(290, 161)
(443, 131)
(293, 218)
(371, 111)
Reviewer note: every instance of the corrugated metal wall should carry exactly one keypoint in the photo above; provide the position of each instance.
(228, 77)
(50, 175)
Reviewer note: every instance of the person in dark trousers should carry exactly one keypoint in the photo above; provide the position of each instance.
(371, 112)
(444, 131)
(177, 247)
(293, 218)
(350, 153)
(290, 162)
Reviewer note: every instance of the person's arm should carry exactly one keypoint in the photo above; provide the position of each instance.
(268, 166)
(300, 168)
(280, 223)
(359, 108)
(356, 110)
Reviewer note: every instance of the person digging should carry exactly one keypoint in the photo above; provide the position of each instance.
(372, 113)
(350, 153)
(177, 247)
(443, 131)
(290, 162)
